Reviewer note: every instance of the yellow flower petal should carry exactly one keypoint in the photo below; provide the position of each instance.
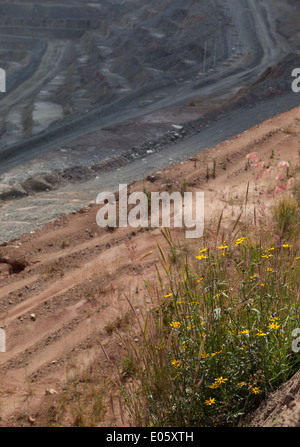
(210, 401)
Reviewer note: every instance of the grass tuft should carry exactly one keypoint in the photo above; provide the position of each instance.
(219, 338)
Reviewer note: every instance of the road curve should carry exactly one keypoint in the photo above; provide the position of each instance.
(47, 68)
(256, 22)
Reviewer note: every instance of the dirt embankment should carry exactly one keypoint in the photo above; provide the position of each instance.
(58, 311)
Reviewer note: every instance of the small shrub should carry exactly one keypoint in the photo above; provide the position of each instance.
(184, 185)
(286, 215)
(296, 191)
(219, 339)
(290, 131)
(214, 168)
(81, 403)
(65, 243)
(128, 367)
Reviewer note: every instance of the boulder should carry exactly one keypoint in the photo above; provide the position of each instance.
(36, 184)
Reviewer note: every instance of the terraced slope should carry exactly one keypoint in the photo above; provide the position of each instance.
(58, 311)
(68, 58)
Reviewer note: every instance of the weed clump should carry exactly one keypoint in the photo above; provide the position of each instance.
(220, 337)
(286, 214)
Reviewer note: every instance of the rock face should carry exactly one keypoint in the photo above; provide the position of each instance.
(36, 184)
(279, 409)
(10, 193)
(16, 265)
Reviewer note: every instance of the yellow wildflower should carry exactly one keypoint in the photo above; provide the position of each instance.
(274, 326)
(223, 247)
(245, 347)
(245, 331)
(220, 380)
(216, 353)
(260, 334)
(176, 363)
(203, 251)
(256, 390)
(204, 355)
(286, 245)
(210, 401)
(241, 384)
(176, 324)
(160, 347)
(201, 257)
(168, 296)
(239, 241)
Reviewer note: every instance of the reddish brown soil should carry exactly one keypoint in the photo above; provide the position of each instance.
(58, 311)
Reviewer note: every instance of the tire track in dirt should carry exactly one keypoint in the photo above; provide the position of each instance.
(15, 286)
(62, 316)
(53, 337)
(65, 283)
